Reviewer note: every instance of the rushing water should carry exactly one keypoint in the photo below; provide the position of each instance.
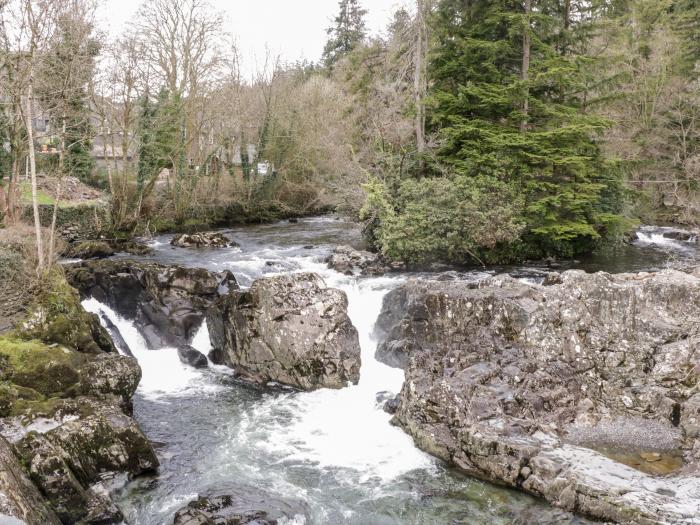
(335, 452)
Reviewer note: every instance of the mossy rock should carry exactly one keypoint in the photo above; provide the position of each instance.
(49, 370)
(8, 396)
(57, 317)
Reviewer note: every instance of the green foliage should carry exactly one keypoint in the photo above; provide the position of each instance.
(525, 170)
(457, 220)
(348, 31)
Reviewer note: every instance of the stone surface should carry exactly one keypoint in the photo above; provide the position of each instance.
(243, 506)
(192, 357)
(64, 461)
(203, 240)
(504, 375)
(167, 303)
(88, 250)
(350, 261)
(19, 498)
(289, 329)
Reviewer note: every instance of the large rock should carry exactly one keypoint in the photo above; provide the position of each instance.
(550, 389)
(244, 506)
(203, 240)
(192, 357)
(347, 260)
(19, 498)
(65, 461)
(167, 303)
(290, 329)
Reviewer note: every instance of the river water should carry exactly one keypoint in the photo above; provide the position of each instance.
(333, 454)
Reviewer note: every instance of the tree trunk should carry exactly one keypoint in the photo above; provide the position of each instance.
(419, 79)
(32, 170)
(525, 73)
(54, 217)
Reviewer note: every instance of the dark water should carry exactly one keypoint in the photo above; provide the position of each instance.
(333, 453)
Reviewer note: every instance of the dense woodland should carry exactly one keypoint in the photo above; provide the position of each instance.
(470, 131)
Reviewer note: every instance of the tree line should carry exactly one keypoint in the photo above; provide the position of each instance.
(471, 131)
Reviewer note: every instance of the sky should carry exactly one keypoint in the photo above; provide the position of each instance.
(292, 29)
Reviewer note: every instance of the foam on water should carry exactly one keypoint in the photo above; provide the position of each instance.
(345, 428)
(163, 374)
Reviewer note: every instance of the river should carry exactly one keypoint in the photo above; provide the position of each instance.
(333, 453)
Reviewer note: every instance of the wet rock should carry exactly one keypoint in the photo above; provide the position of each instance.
(244, 506)
(388, 402)
(681, 235)
(119, 341)
(89, 250)
(66, 460)
(203, 240)
(19, 498)
(504, 373)
(192, 357)
(167, 303)
(290, 329)
(349, 261)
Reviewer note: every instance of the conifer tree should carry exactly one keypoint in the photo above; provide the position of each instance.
(525, 128)
(348, 31)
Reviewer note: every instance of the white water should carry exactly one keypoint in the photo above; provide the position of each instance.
(329, 428)
(163, 374)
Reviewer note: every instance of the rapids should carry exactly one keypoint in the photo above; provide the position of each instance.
(333, 451)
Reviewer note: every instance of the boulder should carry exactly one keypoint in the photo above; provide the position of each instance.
(88, 250)
(242, 506)
(520, 384)
(167, 303)
(350, 261)
(192, 357)
(19, 498)
(203, 240)
(37, 371)
(65, 461)
(289, 329)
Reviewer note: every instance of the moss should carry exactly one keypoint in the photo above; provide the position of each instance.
(32, 409)
(8, 396)
(47, 370)
(57, 317)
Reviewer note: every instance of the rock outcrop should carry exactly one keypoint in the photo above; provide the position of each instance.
(66, 460)
(521, 384)
(203, 240)
(19, 498)
(289, 329)
(167, 303)
(65, 400)
(246, 506)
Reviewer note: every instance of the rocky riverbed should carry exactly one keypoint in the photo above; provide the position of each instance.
(576, 388)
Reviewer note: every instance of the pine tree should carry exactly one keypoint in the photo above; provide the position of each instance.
(505, 107)
(349, 30)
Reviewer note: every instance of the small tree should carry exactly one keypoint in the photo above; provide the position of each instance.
(349, 30)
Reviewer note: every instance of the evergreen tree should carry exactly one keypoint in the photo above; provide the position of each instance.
(505, 107)
(349, 30)
(65, 75)
(687, 17)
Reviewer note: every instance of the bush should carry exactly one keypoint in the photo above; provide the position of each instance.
(458, 220)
